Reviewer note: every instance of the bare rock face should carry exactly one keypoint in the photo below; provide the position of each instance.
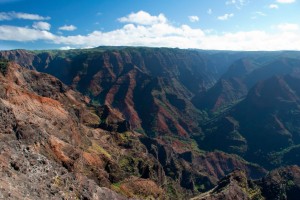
(39, 136)
(28, 174)
(55, 144)
(112, 120)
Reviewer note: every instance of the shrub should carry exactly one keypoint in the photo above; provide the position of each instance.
(3, 66)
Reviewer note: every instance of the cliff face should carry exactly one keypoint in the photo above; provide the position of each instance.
(151, 87)
(56, 144)
(41, 135)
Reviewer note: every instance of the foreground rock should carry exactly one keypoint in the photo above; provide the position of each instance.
(48, 149)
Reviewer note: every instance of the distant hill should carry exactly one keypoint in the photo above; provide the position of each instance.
(243, 74)
(265, 122)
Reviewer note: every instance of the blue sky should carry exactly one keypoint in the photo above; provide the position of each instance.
(203, 24)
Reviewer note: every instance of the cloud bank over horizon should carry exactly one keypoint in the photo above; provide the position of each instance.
(143, 29)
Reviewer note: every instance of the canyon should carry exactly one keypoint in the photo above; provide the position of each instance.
(160, 123)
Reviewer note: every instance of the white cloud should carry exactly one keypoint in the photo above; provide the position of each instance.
(143, 18)
(209, 11)
(164, 34)
(18, 15)
(260, 13)
(288, 27)
(42, 26)
(66, 48)
(4, 16)
(286, 1)
(273, 6)
(137, 35)
(230, 2)
(226, 16)
(237, 3)
(253, 40)
(193, 18)
(23, 34)
(67, 28)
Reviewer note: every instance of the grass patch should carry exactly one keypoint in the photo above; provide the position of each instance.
(128, 164)
(116, 185)
(95, 148)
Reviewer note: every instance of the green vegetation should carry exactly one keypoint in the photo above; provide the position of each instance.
(95, 148)
(200, 188)
(222, 111)
(253, 193)
(75, 52)
(290, 184)
(187, 144)
(127, 164)
(140, 130)
(117, 185)
(285, 156)
(195, 147)
(3, 66)
(94, 102)
(171, 191)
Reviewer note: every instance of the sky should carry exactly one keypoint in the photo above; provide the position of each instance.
(203, 24)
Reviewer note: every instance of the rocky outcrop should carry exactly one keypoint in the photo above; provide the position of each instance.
(46, 148)
(233, 186)
(25, 173)
(283, 183)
